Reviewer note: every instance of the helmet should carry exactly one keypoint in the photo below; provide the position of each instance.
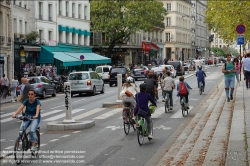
(200, 67)
(130, 79)
(143, 86)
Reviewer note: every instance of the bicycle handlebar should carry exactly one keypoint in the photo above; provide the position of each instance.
(24, 118)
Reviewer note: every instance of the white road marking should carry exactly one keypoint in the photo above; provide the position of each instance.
(78, 100)
(10, 147)
(76, 132)
(53, 140)
(62, 115)
(108, 114)
(162, 127)
(178, 114)
(64, 136)
(86, 114)
(114, 127)
(57, 106)
(42, 145)
(2, 139)
(158, 112)
(109, 91)
(192, 99)
(41, 133)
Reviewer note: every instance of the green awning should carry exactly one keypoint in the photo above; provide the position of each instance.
(67, 59)
(92, 58)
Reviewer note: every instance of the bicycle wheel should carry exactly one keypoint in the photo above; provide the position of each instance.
(132, 122)
(19, 150)
(37, 144)
(183, 110)
(126, 127)
(140, 135)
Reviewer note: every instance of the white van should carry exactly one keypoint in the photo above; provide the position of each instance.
(103, 71)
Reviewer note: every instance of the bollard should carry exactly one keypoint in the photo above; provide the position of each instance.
(119, 85)
(68, 107)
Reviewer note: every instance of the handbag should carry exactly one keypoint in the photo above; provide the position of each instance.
(128, 93)
(141, 112)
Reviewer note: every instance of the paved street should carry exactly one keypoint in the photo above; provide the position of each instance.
(105, 143)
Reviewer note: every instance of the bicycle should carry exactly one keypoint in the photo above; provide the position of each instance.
(183, 106)
(127, 115)
(201, 87)
(142, 130)
(24, 141)
(167, 103)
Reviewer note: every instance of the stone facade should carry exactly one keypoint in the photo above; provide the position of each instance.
(6, 39)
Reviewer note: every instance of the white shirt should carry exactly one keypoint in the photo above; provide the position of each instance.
(131, 89)
(246, 64)
(167, 83)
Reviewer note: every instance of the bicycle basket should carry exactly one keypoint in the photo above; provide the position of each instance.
(142, 113)
(151, 108)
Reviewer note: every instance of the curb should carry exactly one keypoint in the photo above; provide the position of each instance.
(78, 125)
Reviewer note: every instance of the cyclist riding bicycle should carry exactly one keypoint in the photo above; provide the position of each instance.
(168, 85)
(151, 85)
(183, 90)
(200, 74)
(33, 106)
(127, 94)
(142, 99)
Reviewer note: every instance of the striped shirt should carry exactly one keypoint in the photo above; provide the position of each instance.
(167, 83)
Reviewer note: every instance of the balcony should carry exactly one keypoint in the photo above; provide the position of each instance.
(8, 40)
(40, 17)
(50, 18)
(60, 12)
(67, 14)
(73, 15)
(2, 39)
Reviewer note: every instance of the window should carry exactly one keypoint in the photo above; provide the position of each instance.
(21, 26)
(85, 12)
(49, 14)
(168, 21)
(79, 10)
(105, 69)
(26, 27)
(40, 34)
(79, 39)
(78, 76)
(168, 6)
(73, 9)
(20, 4)
(59, 6)
(40, 10)
(67, 37)
(97, 37)
(98, 70)
(93, 75)
(67, 8)
(15, 23)
(45, 80)
(73, 38)
(168, 37)
(85, 40)
(50, 35)
(60, 36)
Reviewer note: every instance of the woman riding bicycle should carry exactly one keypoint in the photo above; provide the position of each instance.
(128, 94)
(183, 90)
(142, 99)
(33, 106)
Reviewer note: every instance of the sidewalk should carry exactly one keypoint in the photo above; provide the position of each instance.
(8, 99)
(218, 134)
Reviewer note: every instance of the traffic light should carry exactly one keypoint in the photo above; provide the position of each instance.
(211, 38)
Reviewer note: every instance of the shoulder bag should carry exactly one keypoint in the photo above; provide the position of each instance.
(140, 112)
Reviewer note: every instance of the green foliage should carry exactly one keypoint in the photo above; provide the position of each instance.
(32, 35)
(224, 16)
(119, 19)
(224, 51)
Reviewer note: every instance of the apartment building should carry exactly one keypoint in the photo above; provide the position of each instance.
(201, 30)
(178, 30)
(6, 58)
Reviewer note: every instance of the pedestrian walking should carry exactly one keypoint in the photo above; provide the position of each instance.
(237, 64)
(55, 70)
(15, 83)
(229, 70)
(246, 69)
(4, 81)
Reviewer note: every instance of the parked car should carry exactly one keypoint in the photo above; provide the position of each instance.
(210, 61)
(86, 82)
(171, 69)
(138, 73)
(125, 71)
(42, 86)
(103, 71)
(186, 66)
(157, 71)
(178, 66)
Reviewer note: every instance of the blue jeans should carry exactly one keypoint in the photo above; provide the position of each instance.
(33, 126)
(229, 82)
(170, 93)
(203, 82)
(237, 76)
(14, 91)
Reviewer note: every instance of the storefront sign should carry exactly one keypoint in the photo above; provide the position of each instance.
(145, 46)
(22, 52)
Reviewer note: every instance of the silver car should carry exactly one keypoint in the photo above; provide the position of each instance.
(85, 82)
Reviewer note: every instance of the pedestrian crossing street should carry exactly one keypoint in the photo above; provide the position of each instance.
(95, 114)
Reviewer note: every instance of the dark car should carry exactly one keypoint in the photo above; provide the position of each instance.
(178, 66)
(118, 70)
(138, 73)
(41, 85)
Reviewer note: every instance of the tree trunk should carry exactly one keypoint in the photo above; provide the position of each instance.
(111, 46)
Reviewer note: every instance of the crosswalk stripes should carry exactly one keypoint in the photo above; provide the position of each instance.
(178, 114)
(158, 112)
(86, 114)
(108, 114)
(62, 115)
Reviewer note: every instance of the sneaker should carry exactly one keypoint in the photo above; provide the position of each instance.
(228, 100)
(202, 90)
(231, 97)
(171, 108)
(33, 148)
(150, 137)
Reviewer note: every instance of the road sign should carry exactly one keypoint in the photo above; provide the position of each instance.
(240, 39)
(240, 29)
(82, 57)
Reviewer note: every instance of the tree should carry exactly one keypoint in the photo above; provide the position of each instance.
(121, 18)
(224, 16)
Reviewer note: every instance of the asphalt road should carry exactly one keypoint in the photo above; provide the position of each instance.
(105, 143)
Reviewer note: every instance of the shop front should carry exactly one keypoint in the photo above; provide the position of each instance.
(67, 58)
(150, 52)
(25, 58)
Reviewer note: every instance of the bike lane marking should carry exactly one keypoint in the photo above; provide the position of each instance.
(62, 115)
(178, 114)
(109, 114)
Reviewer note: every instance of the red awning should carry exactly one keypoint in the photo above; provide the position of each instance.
(149, 46)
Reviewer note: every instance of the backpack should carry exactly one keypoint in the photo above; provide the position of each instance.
(226, 64)
(183, 89)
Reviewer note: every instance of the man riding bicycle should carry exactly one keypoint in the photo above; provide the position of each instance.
(200, 74)
(151, 85)
(33, 106)
(142, 99)
(168, 85)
